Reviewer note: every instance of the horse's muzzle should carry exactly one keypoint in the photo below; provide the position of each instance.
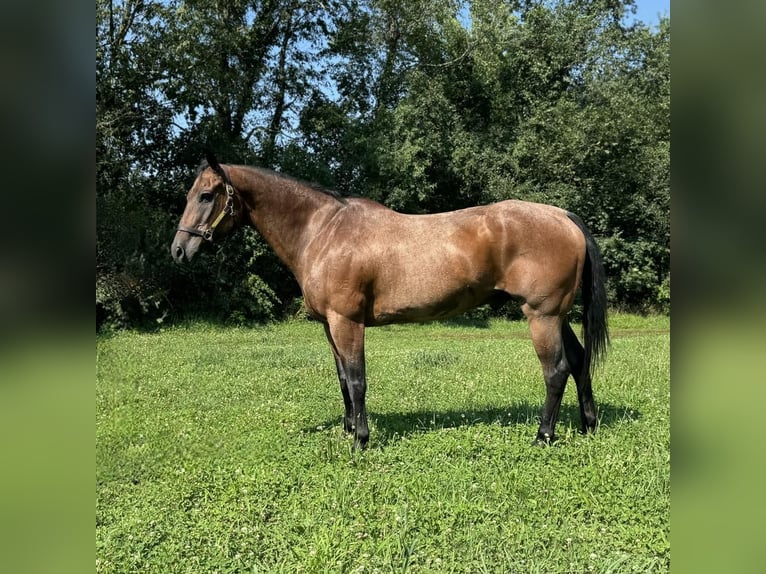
(184, 247)
(178, 253)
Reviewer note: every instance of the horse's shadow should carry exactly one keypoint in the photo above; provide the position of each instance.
(390, 426)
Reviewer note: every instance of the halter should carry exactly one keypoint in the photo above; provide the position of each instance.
(228, 209)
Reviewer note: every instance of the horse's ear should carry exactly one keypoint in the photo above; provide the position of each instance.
(213, 163)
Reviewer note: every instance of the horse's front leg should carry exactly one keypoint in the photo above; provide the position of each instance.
(348, 417)
(347, 341)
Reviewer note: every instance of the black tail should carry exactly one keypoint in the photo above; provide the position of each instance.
(595, 328)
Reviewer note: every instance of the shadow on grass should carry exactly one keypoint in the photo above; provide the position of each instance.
(466, 321)
(388, 426)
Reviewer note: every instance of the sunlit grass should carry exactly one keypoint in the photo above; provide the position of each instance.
(221, 449)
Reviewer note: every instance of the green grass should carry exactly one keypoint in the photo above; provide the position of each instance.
(221, 450)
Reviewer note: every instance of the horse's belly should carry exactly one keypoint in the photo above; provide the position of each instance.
(426, 300)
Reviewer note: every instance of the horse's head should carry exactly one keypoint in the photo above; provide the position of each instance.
(210, 211)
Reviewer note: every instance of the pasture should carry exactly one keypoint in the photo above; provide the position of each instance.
(221, 449)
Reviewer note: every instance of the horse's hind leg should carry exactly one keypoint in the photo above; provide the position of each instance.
(575, 355)
(546, 337)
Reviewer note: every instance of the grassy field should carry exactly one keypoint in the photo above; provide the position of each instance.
(221, 450)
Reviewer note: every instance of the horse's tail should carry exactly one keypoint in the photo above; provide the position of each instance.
(595, 328)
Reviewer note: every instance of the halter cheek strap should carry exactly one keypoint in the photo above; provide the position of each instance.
(228, 209)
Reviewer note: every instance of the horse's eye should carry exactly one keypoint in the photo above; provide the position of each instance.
(205, 197)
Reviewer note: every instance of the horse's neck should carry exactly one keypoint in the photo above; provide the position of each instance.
(286, 213)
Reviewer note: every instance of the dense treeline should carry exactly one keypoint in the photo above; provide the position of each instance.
(424, 105)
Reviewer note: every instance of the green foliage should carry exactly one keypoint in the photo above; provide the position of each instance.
(222, 449)
(635, 276)
(426, 106)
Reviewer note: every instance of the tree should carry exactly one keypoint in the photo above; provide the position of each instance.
(427, 105)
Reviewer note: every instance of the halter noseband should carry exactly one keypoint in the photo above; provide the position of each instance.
(228, 209)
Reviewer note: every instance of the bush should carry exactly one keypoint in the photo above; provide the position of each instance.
(637, 274)
(123, 301)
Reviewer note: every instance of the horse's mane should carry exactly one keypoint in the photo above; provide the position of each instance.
(279, 175)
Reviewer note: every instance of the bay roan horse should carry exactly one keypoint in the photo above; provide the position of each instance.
(361, 264)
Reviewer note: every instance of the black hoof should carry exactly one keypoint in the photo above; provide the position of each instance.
(361, 436)
(543, 440)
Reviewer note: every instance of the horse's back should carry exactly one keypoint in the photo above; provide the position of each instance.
(401, 267)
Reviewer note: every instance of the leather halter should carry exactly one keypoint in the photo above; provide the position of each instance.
(228, 209)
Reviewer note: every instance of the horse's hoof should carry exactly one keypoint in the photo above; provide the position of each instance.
(360, 440)
(543, 440)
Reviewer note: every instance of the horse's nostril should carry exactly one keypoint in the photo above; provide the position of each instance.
(179, 252)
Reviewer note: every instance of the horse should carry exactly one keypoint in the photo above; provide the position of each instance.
(360, 264)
